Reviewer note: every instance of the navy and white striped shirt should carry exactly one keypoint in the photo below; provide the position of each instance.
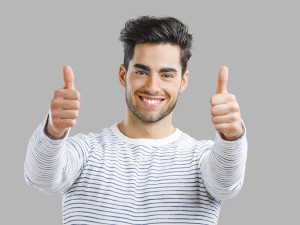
(108, 178)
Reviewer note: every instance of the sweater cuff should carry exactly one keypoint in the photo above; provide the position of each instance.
(48, 145)
(44, 125)
(233, 143)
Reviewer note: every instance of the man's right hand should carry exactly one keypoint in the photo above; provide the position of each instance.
(64, 107)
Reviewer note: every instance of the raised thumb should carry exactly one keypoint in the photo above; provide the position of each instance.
(68, 77)
(222, 80)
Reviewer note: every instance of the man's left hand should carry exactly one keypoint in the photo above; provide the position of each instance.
(225, 110)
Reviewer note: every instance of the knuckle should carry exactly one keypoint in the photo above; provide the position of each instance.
(74, 105)
(231, 97)
(212, 110)
(57, 93)
(72, 123)
(218, 128)
(75, 114)
(233, 127)
(236, 117)
(54, 115)
(52, 105)
(56, 121)
(68, 123)
(212, 100)
(77, 95)
(77, 106)
(232, 117)
(57, 103)
(234, 107)
(213, 119)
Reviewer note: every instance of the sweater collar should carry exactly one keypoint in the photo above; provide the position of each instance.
(146, 141)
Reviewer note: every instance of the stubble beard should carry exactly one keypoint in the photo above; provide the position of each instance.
(148, 117)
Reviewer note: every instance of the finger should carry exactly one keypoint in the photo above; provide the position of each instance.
(67, 94)
(222, 80)
(229, 129)
(219, 110)
(222, 127)
(65, 114)
(222, 99)
(63, 124)
(228, 118)
(68, 78)
(69, 114)
(70, 105)
(59, 103)
(224, 109)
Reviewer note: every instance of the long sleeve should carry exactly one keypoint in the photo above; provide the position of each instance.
(52, 165)
(223, 167)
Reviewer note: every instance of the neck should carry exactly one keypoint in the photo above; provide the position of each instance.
(133, 127)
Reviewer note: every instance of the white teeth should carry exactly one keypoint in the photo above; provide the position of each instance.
(150, 101)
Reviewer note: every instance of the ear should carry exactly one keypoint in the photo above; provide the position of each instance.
(184, 82)
(122, 75)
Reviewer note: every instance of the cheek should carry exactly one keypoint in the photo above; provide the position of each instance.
(172, 93)
(131, 88)
(135, 84)
(173, 89)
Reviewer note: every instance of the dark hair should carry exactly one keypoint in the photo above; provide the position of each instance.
(150, 29)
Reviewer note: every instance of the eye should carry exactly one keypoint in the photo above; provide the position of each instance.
(140, 72)
(167, 75)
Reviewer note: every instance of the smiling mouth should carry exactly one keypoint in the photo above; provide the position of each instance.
(151, 101)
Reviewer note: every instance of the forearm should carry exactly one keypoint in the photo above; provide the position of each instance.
(44, 161)
(224, 167)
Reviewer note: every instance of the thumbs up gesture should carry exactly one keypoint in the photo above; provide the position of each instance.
(225, 110)
(64, 107)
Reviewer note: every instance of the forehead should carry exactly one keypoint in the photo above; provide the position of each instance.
(157, 55)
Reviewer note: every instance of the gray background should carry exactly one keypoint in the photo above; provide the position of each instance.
(257, 40)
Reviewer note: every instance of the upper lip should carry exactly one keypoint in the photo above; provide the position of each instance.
(152, 97)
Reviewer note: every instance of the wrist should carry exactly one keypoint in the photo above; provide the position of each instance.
(234, 136)
(50, 131)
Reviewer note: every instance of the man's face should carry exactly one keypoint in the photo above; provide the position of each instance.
(153, 81)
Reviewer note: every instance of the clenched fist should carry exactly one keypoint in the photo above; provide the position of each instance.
(64, 107)
(225, 110)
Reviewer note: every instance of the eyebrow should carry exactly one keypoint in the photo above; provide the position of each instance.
(141, 66)
(167, 69)
(162, 70)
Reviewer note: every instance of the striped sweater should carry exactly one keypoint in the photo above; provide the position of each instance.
(108, 178)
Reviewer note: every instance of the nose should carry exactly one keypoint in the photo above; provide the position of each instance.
(153, 84)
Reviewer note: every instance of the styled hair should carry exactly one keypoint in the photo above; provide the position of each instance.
(150, 29)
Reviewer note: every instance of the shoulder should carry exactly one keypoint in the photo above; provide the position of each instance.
(104, 138)
(188, 142)
(98, 136)
(186, 138)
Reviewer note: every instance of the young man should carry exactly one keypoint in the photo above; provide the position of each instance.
(141, 170)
